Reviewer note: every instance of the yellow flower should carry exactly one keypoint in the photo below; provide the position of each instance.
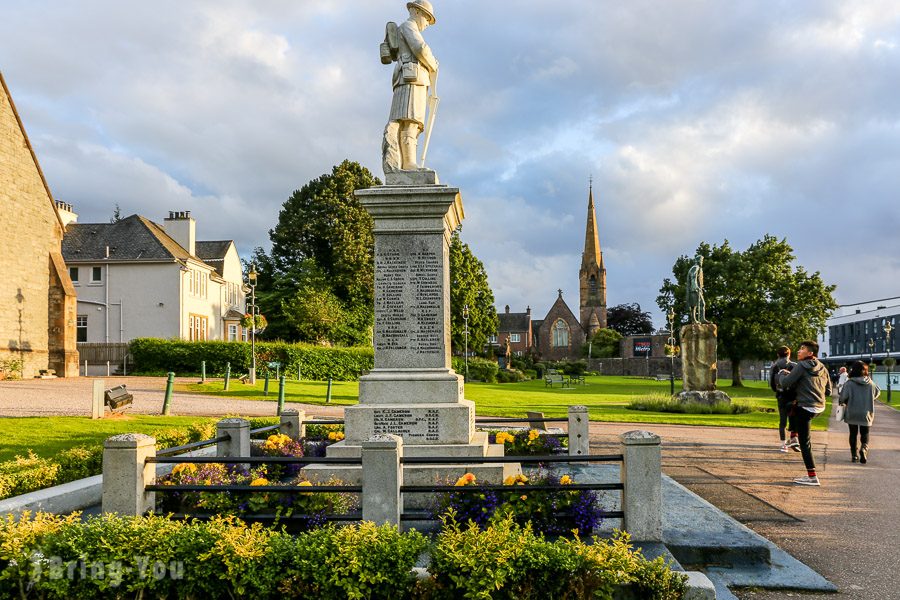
(466, 479)
(259, 481)
(305, 484)
(515, 480)
(533, 435)
(180, 468)
(523, 497)
(503, 438)
(336, 436)
(565, 480)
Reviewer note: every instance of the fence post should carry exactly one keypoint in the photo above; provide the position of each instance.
(579, 431)
(292, 423)
(227, 375)
(642, 478)
(382, 477)
(167, 399)
(281, 394)
(266, 385)
(97, 399)
(328, 393)
(126, 474)
(202, 371)
(238, 433)
(85, 368)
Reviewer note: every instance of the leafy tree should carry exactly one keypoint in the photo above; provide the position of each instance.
(469, 285)
(629, 319)
(604, 344)
(117, 214)
(756, 297)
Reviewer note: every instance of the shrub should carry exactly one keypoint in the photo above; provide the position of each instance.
(663, 403)
(506, 376)
(482, 369)
(153, 355)
(509, 561)
(11, 369)
(528, 442)
(568, 367)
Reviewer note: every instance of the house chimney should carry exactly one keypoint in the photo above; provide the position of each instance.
(182, 228)
(507, 309)
(66, 214)
(528, 311)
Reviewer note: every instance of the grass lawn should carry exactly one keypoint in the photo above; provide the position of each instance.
(606, 398)
(48, 435)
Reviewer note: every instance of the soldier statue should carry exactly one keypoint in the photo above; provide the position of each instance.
(695, 301)
(415, 75)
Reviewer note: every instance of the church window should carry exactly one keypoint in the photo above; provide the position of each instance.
(560, 334)
(592, 285)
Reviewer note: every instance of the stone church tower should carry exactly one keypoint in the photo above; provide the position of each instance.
(592, 275)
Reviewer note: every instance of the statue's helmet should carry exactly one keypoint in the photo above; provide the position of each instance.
(425, 7)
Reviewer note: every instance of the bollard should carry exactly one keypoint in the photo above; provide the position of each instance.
(97, 407)
(203, 371)
(280, 394)
(382, 477)
(292, 423)
(227, 375)
(266, 385)
(642, 478)
(328, 393)
(125, 366)
(126, 474)
(107, 369)
(85, 368)
(579, 431)
(298, 370)
(167, 400)
(238, 443)
(277, 370)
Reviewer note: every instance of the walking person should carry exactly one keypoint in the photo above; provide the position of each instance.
(810, 379)
(842, 379)
(784, 398)
(858, 397)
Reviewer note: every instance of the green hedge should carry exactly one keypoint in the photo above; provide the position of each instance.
(50, 556)
(480, 369)
(154, 355)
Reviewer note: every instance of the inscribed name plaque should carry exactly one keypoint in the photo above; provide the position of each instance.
(410, 302)
(418, 426)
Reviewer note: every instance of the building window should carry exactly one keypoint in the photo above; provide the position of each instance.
(73, 274)
(493, 339)
(197, 328)
(232, 332)
(96, 274)
(592, 286)
(514, 338)
(81, 328)
(560, 334)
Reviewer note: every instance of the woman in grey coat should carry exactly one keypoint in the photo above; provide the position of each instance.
(858, 398)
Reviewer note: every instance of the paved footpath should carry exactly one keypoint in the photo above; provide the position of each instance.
(848, 530)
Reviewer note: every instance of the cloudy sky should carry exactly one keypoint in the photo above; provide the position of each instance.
(698, 120)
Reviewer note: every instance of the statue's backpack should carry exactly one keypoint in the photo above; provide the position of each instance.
(390, 47)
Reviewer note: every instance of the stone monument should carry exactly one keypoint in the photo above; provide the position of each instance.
(698, 346)
(412, 391)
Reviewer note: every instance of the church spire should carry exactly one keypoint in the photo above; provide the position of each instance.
(592, 275)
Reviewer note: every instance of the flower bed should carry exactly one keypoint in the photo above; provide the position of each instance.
(527, 443)
(54, 557)
(551, 512)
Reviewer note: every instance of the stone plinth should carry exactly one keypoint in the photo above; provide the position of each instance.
(412, 391)
(698, 357)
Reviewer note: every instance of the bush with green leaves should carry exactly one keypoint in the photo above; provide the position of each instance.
(666, 404)
(510, 376)
(154, 355)
(507, 560)
(158, 557)
(480, 369)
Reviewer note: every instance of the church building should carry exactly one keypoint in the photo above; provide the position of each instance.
(561, 334)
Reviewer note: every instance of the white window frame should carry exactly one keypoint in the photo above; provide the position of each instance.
(560, 334)
(515, 338)
(95, 270)
(232, 332)
(81, 322)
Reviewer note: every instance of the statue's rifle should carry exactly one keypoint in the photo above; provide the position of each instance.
(433, 102)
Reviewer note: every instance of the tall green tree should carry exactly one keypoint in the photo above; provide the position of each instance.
(757, 297)
(469, 286)
(317, 283)
(629, 319)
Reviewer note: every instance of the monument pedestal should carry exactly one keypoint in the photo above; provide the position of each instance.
(412, 391)
(698, 364)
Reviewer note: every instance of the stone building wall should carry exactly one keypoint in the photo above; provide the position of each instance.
(37, 300)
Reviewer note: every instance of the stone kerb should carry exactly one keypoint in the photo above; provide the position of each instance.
(642, 478)
(126, 474)
(381, 479)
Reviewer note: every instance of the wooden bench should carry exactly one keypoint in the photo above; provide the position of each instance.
(579, 379)
(118, 399)
(553, 376)
(663, 377)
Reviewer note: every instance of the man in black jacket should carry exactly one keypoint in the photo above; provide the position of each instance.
(812, 383)
(785, 399)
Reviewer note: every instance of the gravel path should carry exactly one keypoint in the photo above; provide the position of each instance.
(72, 397)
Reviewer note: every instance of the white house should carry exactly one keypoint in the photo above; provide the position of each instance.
(136, 278)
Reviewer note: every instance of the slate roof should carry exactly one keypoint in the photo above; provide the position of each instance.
(213, 253)
(130, 239)
(513, 322)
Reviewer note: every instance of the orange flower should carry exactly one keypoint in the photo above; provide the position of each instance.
(466, 479)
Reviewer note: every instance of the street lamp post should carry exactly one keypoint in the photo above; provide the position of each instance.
(888, 362)
(672, 343)
(871, 344)
(251, 276)
(466, 350)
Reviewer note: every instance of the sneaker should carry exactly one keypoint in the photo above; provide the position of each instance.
(807, 480)
(784, 447)
(863, 456)
(795, 448)
(794, 443)
(854, 459)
